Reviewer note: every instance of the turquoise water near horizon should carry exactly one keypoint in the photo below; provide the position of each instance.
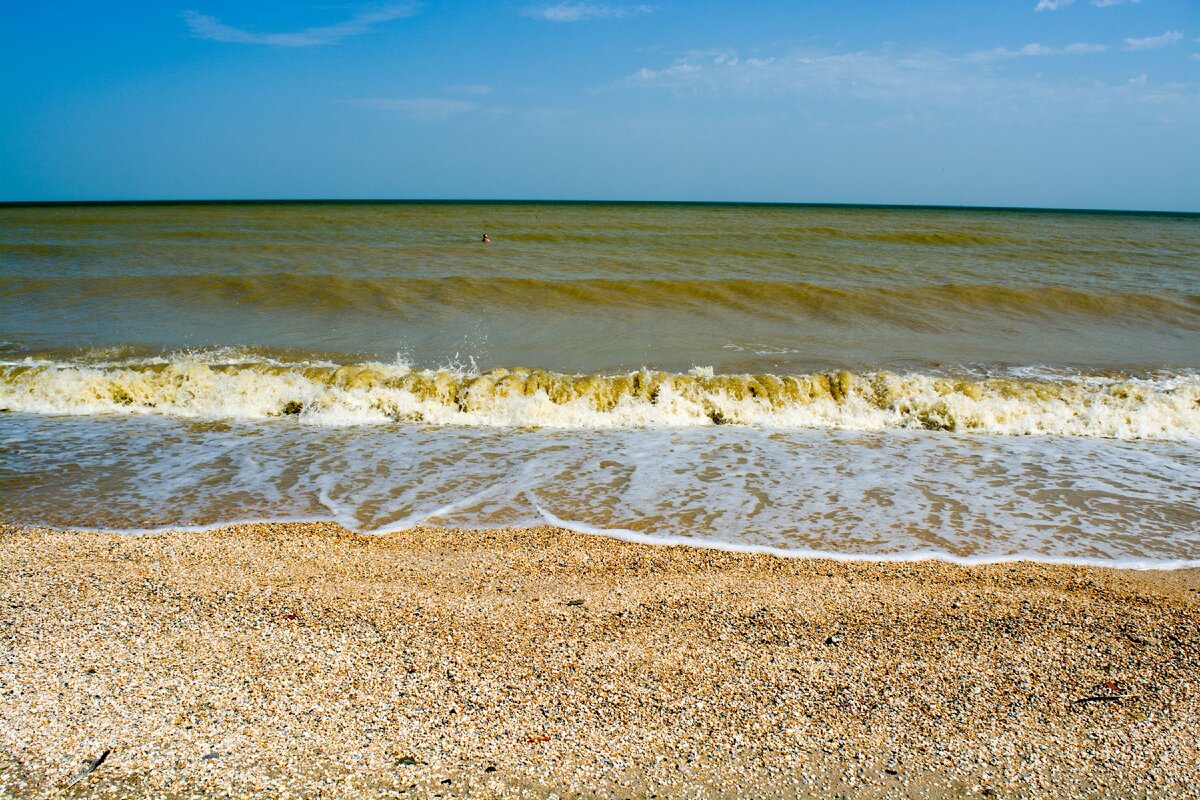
(861, 381)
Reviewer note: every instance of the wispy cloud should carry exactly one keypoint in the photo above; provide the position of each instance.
(888, 79)
(207, 27)
(1035, 49)
(876, 75)
(1052, 5)
(672, 71)
(433, 109)
(578, 12)
(1151, 42)
(1055, 5)
(698, 61)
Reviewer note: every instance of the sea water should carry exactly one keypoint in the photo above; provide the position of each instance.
(857, 382)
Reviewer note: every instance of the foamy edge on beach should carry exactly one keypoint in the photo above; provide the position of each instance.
(654, 540)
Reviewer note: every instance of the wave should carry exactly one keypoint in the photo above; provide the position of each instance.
(922, 307)
(947, 238)
(214, 386)
(33, 250)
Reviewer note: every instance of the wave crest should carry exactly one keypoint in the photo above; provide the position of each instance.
(375, 393)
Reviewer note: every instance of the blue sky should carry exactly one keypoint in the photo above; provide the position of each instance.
(1063, 103)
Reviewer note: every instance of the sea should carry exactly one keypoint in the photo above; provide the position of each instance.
(845, 381)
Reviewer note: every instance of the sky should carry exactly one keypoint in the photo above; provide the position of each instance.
(1044, 103)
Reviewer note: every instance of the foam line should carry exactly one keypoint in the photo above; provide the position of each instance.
(660, 540)
(203, 386)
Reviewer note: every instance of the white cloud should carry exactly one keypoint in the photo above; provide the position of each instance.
(1107, 3)
(1052, 5)
(577, 12)
(424, 108)
(207, 27)
(889, 80)
(884, 76)
(1082, 48)
(1150, 42)
(672, 71)
(1035, 49)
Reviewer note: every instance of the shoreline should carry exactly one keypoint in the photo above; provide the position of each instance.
(626, 536)
(271, 659)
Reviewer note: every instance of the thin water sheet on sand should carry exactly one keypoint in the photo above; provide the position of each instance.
(303, 659)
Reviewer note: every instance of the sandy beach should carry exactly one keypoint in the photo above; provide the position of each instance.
(303, 660)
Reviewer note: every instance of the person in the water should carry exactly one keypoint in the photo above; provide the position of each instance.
(487, 239)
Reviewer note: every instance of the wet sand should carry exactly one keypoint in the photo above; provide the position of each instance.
(304, 660)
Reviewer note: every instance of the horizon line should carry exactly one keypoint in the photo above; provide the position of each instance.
(542, 201)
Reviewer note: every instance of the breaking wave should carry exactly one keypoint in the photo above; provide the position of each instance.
(215, 386)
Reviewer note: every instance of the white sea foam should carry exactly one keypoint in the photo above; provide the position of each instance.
(238, 387)
(891, 495)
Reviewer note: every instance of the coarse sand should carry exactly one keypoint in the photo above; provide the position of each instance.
(304, 660)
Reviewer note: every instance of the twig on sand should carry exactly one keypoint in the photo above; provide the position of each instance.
(89, 769)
